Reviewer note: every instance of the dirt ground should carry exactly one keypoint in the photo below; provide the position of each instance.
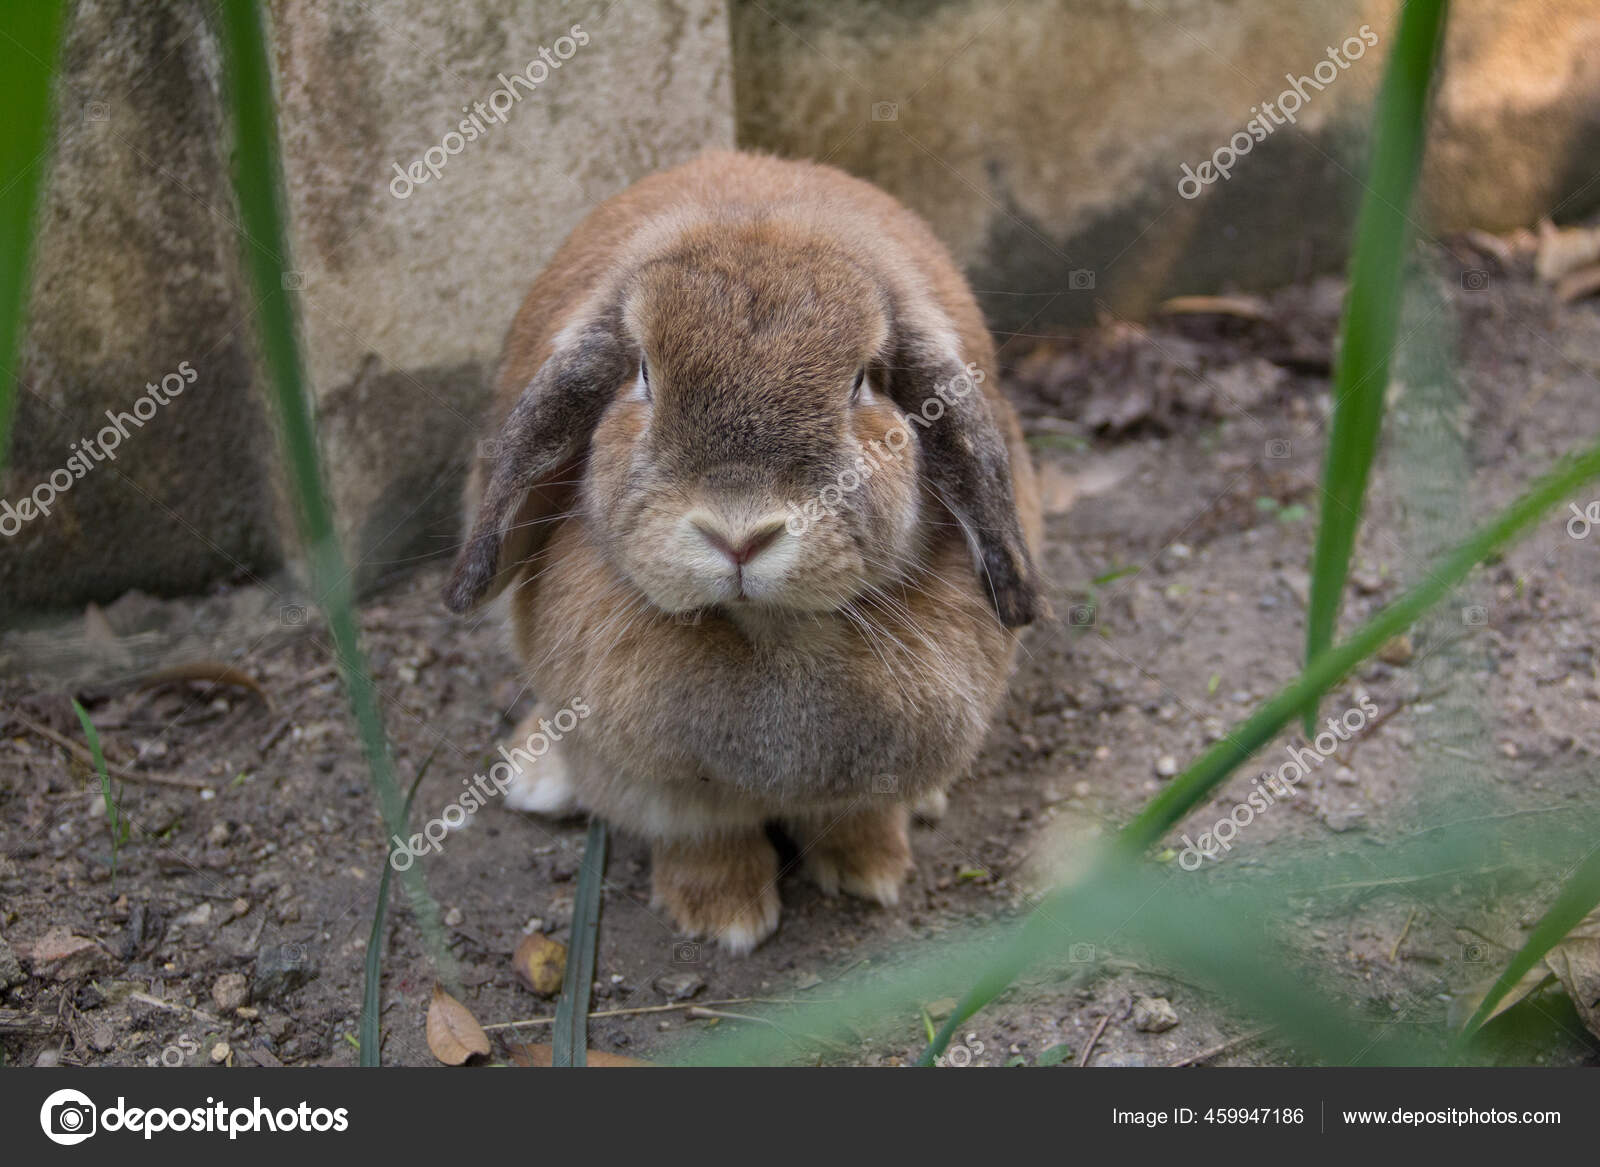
(1184, 455)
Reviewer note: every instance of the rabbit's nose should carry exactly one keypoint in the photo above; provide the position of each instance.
(741, 546)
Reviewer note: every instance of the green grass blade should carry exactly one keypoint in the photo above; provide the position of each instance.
(1578, 897)
(29, 55)
(1371, 313)
(1216, 945)
(371, 1036)
(1192, 786)
(570, 1042)
(258, 183)
(1235, 930)
(113, 812)
(1195, 783)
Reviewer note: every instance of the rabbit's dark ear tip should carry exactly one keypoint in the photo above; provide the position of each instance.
(470, 577)
(1012, 591)
(455, 598)
(1017, 605)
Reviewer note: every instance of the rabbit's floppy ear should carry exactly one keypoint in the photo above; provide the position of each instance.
(548, 429)
(966, 463)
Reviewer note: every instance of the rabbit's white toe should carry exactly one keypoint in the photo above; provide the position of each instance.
(544, 787)
(931, 807)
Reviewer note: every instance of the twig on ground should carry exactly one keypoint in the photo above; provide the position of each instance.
(1132, 966)
(645, 1009)
(126, 773)
(1088, 1049)
(16, 1023)
(700, 1012)
(1206, 1055)
(1401, 939)
(199, 1015)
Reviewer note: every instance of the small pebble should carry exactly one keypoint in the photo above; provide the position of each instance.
(1339, 820)
(1154, 1015)
(1166, 766)
(679, 986)
(230, 991)
(1398, 651)
(453, 918)
(220, 1053)
(196, 917)
(1367, 583)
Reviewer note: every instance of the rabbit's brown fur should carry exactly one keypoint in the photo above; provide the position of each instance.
(826, 672)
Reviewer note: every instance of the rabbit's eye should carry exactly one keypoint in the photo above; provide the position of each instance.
(855, 388)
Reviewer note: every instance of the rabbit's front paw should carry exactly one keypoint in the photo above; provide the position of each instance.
(931, 807)
(724, 889)
(866, 854)
(542, 781)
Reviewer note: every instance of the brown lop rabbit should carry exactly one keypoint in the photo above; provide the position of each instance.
(766, 516)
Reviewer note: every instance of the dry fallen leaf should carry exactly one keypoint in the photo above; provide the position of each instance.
(541, 1055)
(1247, 307)
(454, 1034)
(1576, 963)
(213, 672)
(1464, 1006)
(1565, 249)
(541, 963)
(1503, 249)
(1578, 284)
